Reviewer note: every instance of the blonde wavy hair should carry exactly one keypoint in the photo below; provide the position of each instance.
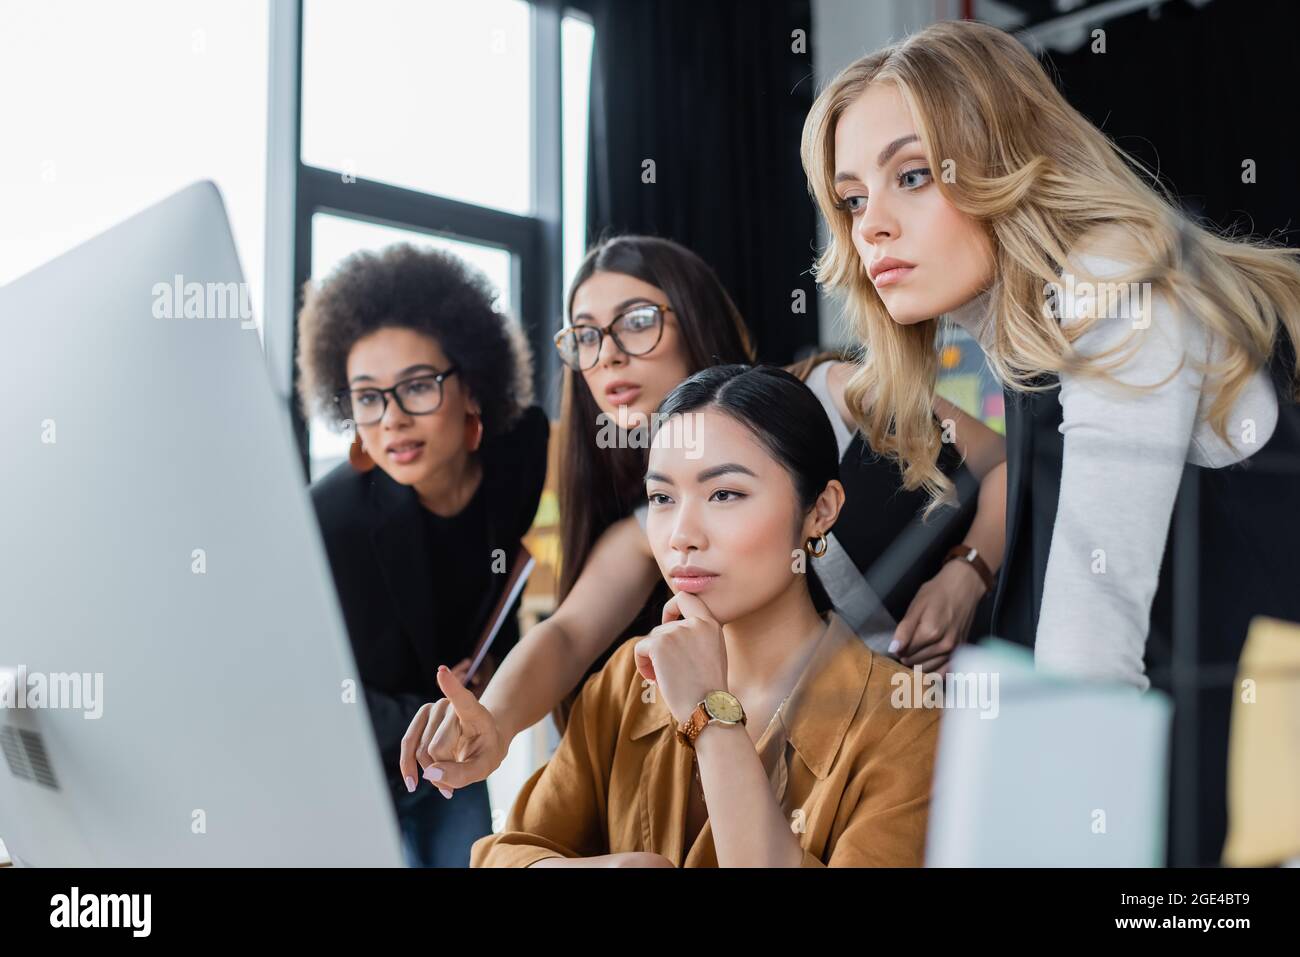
(1039, 178)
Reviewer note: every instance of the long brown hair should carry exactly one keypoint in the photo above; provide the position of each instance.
(598, 487)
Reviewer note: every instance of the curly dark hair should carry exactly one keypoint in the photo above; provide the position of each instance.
(429, 291)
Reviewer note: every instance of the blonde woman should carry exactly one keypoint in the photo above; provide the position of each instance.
(956, 180)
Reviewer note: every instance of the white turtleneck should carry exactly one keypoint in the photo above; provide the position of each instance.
(1123, 461)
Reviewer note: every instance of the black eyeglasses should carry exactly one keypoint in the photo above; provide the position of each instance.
(635, 332)
(418, 395)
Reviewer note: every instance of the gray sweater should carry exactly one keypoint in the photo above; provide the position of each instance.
(1123, 460)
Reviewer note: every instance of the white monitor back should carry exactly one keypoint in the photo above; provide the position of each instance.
(1044, 771)
(157, 539)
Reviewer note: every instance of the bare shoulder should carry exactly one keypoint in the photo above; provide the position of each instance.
(837, 379)
(626, 536)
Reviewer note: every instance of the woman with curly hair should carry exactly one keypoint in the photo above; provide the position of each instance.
(443, 480)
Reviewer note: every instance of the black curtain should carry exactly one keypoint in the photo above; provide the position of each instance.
(1193, 93)
(714, 92)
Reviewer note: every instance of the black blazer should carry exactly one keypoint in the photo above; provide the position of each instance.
(376, 538)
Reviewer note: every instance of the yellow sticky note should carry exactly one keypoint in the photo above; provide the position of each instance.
(1264, 749)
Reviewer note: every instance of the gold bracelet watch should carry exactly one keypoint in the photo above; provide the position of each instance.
(721, 706)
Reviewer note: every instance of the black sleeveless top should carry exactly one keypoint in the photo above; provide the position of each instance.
(882, 529)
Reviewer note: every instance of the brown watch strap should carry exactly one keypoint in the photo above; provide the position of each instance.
(971, 557)
(690, 729)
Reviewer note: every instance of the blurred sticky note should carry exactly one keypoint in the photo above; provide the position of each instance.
(1264, 749)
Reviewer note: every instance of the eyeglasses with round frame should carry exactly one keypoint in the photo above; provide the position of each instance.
(572, 355)
(404, 393)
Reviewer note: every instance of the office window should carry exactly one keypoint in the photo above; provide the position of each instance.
(577, 38)
(462, 121)
(430, 95)
(133, 105)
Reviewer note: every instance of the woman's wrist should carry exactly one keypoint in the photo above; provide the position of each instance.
(504, 721)
(968, 578)
(970, 556)
(712, 743)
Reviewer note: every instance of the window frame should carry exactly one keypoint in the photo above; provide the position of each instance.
(297, 191)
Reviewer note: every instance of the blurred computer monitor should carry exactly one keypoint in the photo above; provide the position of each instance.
(176, 686)
(1040, 770)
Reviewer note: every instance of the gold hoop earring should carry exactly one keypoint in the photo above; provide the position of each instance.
(813, 546)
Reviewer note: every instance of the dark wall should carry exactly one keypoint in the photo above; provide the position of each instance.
(712, 91)
(1193, 93)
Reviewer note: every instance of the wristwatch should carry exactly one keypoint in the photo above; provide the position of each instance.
(971, 556)
(721, 706)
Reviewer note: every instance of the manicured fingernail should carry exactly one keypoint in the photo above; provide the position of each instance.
(893, 647)
(446, 792)
(432, 774)
(410, 783)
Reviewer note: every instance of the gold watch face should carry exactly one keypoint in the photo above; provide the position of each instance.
(724, 706)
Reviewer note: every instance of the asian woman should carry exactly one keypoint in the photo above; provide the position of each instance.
(645, 314)
(751, 727)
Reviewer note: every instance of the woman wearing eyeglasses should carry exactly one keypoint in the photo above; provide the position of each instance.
(645, 315)
(443, 481)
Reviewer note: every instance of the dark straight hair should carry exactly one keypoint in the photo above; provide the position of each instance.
(786, 418)
(597, 487)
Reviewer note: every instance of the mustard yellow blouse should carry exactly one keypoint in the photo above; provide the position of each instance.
(851, 771)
